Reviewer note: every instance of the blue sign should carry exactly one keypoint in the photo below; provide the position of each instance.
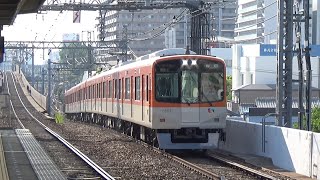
(268, 50)
(271, 50)
(315, 50)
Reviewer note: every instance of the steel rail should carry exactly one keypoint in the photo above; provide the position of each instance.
(240, 166)
(14, 111)
(81, 155)
(93, 165)
(198, 169)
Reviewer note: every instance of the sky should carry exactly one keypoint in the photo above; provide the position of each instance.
(49, 26)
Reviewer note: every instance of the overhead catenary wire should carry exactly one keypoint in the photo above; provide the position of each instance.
(177, 20)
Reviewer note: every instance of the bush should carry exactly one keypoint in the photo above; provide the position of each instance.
(59, 118)
(315, 120)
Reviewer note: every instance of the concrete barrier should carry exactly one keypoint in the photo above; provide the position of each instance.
(290, 149)
(40, 99)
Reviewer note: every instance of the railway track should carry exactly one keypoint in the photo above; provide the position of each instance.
(89, 162)
(239, 166)
(196, 167)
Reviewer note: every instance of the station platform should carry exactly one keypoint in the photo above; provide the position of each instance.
(22, 158)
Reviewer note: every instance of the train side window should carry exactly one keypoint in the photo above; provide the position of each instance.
(99, 90)
(87, 95)
(110, 89)
(147, 88)
(90, 92)
(94, 91)
(127, 88)
(104, 90)
(137, 88)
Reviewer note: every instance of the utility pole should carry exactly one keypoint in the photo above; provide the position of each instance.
(124, 43)
(32, 68)
(286, 17)
(306, 6)
(49, 87)
(89, 60)
(298, 51)
(42, 87)
(284, 63)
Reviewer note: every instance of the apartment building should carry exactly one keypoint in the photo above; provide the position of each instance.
(152, 30)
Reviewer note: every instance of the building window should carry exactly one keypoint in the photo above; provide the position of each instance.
(137, 88)
(251, 77)
(127, 88)
(242, 79)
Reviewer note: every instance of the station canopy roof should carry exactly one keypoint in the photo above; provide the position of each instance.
(9, 9)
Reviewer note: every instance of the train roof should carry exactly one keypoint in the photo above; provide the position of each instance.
(145, 60)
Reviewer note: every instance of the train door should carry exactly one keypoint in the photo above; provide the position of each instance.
(145, 97)
(190, 96)
(119, 99)
(131, 95)
(112, 96)
(91, 98)
(142, 97)
(85, 98)
(95, 88)
(80, 99)
(122, 95)
(101, 94)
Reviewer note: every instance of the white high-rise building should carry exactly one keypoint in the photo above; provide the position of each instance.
(315, 21)
(257, 21)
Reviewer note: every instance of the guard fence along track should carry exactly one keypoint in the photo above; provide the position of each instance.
(93, 165)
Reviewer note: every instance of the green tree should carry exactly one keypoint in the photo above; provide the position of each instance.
(229, 86)
(74, 56)
(77, 56)
(315, 120)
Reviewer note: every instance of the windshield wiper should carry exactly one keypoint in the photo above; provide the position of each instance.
(206, 98)
(187, 101)
(201, 92)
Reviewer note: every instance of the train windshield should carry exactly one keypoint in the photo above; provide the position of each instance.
(193, 81)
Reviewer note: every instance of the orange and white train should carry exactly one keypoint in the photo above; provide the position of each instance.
(169, 98)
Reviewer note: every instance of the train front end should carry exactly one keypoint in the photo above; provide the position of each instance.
(189, 106)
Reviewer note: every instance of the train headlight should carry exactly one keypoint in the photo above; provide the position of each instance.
(189, 62)
(184, 62)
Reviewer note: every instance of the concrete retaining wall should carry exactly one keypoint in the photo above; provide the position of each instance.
(38, 97)
(290, 149)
